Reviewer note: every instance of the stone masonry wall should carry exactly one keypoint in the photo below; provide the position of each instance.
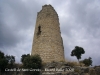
(47, 40)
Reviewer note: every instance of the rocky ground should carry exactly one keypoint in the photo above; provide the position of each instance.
(61, 68)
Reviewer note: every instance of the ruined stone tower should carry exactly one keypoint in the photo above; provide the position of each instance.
(47, 40)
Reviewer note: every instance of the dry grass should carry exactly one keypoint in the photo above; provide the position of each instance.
(74, 63)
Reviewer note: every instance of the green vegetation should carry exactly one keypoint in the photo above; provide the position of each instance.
(24, 56)
(28, 62)
(6, 61)
(31, 62)
(78, 51)
(3, 62)
(11, 60)
(87, 62)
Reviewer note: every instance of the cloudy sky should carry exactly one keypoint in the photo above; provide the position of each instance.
(79, 23)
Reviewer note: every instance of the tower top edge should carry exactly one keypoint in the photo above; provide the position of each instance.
(47, 7)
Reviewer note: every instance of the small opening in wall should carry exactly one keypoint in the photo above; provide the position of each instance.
(39, 30)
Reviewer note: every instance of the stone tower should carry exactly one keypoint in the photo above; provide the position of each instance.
(47, 40)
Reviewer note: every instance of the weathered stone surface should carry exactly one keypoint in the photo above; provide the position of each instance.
(85, 69)
(97, 70)
(47, 40)
(92, 72)
(84, 74)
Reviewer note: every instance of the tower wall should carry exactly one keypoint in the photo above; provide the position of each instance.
(47, 40)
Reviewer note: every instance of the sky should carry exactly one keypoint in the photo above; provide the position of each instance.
(79, 25)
